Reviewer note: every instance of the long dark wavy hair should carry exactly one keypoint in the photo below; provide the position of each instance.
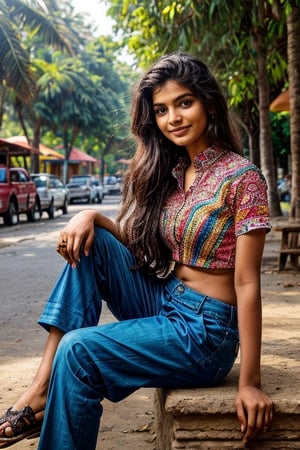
(149, 180)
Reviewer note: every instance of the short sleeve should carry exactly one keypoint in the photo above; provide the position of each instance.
(251, 202)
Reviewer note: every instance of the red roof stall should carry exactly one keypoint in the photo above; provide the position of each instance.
(16, 153)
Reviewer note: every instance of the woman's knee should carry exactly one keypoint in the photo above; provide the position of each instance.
(103, 236)
(75, 354)
(70, 351)
(67, 342)
(108, 245)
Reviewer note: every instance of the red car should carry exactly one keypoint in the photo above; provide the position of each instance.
(18, 194)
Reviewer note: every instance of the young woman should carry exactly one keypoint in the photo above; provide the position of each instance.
(180, 269)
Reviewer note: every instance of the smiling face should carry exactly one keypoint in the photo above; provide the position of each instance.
(180, 116)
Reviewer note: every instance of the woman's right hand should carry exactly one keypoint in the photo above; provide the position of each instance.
(77, 237)
(254, 410)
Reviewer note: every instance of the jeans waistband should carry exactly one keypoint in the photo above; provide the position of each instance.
(178, 290)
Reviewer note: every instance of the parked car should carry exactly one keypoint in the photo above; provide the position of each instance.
(18, 194)
(85, 187)
(112, 185)
(52, 192)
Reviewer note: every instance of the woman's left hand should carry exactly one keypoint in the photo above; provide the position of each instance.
(254, 410)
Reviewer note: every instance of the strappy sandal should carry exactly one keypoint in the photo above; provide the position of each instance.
(22, 423)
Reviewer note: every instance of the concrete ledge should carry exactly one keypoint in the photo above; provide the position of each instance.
(205, 418)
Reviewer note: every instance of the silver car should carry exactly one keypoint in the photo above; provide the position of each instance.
(86, 188)
(53, 193)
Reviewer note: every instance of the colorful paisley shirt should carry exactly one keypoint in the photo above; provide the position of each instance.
(228, 198)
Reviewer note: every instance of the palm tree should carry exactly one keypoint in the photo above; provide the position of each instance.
(17, 20)
(72, 100)
(15, 70)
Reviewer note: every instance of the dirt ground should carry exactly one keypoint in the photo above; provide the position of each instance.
(129, 424)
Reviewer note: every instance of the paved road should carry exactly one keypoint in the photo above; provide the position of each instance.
(29, 266)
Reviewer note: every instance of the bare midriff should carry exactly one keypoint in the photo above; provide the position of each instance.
(217, 283)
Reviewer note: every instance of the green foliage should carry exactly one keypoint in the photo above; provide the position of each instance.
(18, 17)
(76, 98)
(14, 60)
(111, 164)
(281, 136)
(82, 97)
(219, 31)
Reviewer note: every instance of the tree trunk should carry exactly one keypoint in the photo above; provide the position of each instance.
(254, 143)
(293, 28)
(19, 108)
(35, 160)
(2, 102)
(265, 136)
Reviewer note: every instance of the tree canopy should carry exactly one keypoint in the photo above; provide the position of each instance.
(70, 87)
(247, 44)
(61, 80)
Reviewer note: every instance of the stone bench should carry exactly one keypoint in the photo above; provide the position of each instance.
(205, 418)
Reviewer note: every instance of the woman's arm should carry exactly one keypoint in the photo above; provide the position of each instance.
(78, 234)
(254, 408)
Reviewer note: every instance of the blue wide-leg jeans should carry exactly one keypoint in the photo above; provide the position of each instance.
(167, 335)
